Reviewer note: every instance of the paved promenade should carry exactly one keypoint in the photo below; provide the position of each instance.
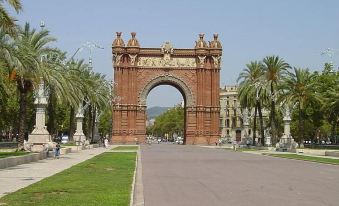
(176, 175)
(20, 176)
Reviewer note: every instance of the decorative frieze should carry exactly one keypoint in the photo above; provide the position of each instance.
(156, 62)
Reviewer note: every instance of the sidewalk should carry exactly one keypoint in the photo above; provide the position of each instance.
(20, 176)
(260, 152)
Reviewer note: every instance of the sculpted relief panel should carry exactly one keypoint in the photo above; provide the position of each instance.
(166, 62)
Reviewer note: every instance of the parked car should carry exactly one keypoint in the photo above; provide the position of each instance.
(64, 139)
(179, 140)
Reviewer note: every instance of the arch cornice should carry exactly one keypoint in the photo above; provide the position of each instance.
(171, 80)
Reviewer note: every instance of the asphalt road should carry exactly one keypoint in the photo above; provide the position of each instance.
(178, 175)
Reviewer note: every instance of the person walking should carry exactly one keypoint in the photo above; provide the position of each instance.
(235, 144)
(57, 150)
(106, 143)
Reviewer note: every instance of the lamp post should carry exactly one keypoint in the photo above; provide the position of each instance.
(329, 52)
(42, 24)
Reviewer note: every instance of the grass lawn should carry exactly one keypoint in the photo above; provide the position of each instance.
(322, 147)
(126, 148)
(11, 154)
(103, 180)
(69, 144)
(307, 158)
(242, 149)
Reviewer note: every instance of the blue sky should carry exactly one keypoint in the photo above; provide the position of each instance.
(249, 30)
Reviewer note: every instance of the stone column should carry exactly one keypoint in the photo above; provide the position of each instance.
(40, 140)
(79, 136)
(96, 129)
(245, 118)
(286, 142)
(268, 141)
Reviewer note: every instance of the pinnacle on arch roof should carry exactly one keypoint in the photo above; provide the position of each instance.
(118, 42)
(215, 43)
(133, 42)
(200, 44)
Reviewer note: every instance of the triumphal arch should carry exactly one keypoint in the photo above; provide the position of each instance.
(194, 72)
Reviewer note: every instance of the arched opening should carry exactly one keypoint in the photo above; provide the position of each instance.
(238, 135)
(166, 113)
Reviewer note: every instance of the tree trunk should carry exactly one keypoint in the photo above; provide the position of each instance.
(89, 123)
(273, 124)
(300, 126)
(71, 124)
(255, 124)
(261, 120)
(333, 134)
(22, 118)
(51, 114)
(93, 124)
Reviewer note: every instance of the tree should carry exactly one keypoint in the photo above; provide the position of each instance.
(105, 122)
(7, 23)
(95, 90)
(170, 122)
(299, 89)
(30, 47)
(249, 92)
(6, 55)
(63, 83)
(76, 93)
(274, 69)
(327, 86)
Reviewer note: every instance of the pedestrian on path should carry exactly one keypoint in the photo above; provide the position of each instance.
(57, 150)
(235, 144)
(106, 143)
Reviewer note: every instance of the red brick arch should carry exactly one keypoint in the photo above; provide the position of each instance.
(194, 72)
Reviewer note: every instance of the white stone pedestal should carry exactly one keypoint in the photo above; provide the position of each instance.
(79, 136)
(245, 117)
(268, 141)
(286, 143)
(40, 140)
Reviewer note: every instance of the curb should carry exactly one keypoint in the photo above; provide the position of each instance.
(18, 160)
(138, 193)
(133, 182)
(28, 158)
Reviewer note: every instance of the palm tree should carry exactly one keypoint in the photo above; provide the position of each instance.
(97, 92)
(248, 92)
(7, 87)
(5, 56)
(327, 85)
(88, 86)
(7, 23)
(332, 108)
(299, 88)
(30, 47)
(274, 69)
(64, 86)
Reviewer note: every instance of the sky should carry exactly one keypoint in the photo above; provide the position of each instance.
(297, 31)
